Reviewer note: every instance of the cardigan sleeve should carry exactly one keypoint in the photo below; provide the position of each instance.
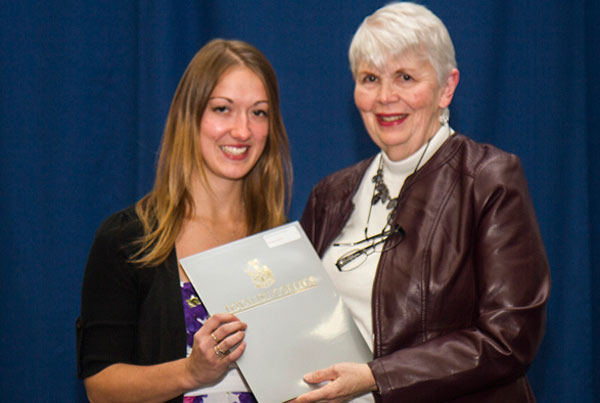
(109, 305)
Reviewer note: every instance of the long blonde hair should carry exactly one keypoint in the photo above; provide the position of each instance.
(266, 188)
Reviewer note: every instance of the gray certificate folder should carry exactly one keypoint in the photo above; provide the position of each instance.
(297, 323)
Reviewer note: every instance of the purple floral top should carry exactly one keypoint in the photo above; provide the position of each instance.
(194, 311)
(195, 316)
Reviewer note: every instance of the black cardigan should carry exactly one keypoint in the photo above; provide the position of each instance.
(128, 314)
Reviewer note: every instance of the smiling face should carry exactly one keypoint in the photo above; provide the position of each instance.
(400, 103)
(235, 125)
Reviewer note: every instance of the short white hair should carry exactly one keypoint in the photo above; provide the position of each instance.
(399, 27)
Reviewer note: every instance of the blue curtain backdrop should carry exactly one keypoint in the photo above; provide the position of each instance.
(85, 88)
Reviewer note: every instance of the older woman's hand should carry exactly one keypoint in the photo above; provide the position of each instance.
(346, 380)
(211, 353)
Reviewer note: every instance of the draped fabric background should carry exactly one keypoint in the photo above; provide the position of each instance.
(85, 88)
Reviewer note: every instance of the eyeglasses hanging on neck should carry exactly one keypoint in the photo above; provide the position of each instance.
(377, 243)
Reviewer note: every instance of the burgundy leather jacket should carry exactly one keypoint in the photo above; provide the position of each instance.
(459, 306)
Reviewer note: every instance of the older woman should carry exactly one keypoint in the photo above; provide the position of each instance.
(433, 242)
(223, 173)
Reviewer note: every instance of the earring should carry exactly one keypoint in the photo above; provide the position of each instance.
(444, 116)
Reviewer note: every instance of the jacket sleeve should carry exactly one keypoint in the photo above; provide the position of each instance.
(309, 216)
(314, 218)
(109, 306)
(512, 282)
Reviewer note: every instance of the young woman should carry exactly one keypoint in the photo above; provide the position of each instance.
(224, 172)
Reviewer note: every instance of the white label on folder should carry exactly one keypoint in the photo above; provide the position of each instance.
(282, 237)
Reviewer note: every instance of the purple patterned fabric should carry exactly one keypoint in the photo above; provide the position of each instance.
(244, 397)
(231, 397)
(194, 311)
(195, 315)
